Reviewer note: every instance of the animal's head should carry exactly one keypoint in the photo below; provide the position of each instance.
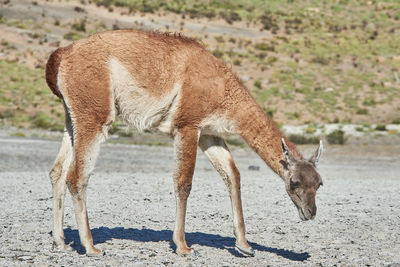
(302, 181)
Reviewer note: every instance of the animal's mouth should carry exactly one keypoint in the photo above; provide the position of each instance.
(305, 214)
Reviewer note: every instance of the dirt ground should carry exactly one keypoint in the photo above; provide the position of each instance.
(131, 209)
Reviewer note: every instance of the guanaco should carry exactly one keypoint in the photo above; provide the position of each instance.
(169, 83)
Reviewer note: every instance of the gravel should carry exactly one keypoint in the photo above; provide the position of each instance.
(132, 210)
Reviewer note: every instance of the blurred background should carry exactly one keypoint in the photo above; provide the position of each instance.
(318, 68)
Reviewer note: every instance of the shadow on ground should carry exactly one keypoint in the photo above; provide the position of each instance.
(103, 234)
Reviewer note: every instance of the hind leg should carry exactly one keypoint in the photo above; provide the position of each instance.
(88, 95)
(58, 176)
(86, 148)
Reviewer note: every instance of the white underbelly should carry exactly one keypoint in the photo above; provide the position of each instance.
(217, 124)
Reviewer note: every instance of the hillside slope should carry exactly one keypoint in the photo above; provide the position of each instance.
(309, 62)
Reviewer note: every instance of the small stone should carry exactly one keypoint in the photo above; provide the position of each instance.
(253, 168)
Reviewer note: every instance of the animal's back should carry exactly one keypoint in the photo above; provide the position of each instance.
(145, 74)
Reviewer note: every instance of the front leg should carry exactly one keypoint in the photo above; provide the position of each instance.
(185, 143)
(220, 157)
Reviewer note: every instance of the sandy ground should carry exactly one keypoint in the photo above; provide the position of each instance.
(131, 209)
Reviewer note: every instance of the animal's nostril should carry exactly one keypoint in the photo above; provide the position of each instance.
(313, 211)
(310, 211)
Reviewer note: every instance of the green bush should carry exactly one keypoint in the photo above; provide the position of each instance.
(269, 111)
(362, 111)
(336, 137)
(237, 62)
(310, 130)
(8, 113)
(380, 127)
(114, 128)
(72, 36)
(18, 134)
(257, 84)
(269, 21)
(42, 120)
(81, 26)
(302, 139)
(264, 47)
(218, 53)
(396, 121)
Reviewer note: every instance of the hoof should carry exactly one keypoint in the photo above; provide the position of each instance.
(62, 247)
(247, 251)
(188, 252)
(93, 252)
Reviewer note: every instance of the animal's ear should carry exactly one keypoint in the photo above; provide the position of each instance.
(290, 159)
(317, 154)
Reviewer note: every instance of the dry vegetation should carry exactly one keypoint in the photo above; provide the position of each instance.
(308, 62)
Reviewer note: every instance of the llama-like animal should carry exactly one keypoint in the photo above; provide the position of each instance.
(170, 83)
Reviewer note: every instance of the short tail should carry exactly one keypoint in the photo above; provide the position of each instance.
(52, 67)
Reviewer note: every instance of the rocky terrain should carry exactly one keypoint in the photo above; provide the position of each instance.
(131, 209)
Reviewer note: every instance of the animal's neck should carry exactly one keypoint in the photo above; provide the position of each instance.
(258, 130)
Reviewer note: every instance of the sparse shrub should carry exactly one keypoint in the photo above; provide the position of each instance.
(271, 60)
(359, 129)
(114, 128)
(264, 47)
(230, 17)
(5, 114)
(72, 36)
(296, 115)
(336, 137)
(219, 39)
(4, 43)
(393, 132)
(310, 130)
(18, 134)
(42, 120)
(257, 84)
(346, 120)
(362, 111)
(237, 62)
(268, 21)
(218, 53)
(79, 9)
(320, 60)
(80, 27)
(269, 111)
(261, 55)
(369, 102)
(380, 127)
(125, 133)
(396, 121)
(105, 3)
(302, 139)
